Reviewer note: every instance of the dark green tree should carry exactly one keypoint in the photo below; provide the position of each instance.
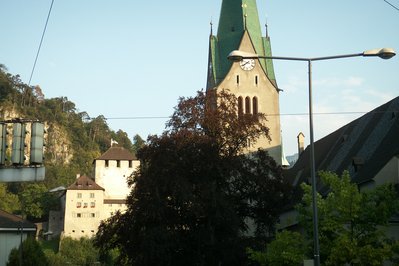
(32, 254)
(197, 199)
(78, 252)
(138, 143)
(123, 140)
(9, 202)
(36, 201)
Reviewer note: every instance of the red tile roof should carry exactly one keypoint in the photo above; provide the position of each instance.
(117, 153)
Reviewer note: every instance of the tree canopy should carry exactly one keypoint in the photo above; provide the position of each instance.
(197, 199)
(352, 226)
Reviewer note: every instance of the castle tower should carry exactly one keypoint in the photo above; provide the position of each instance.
(252, 81)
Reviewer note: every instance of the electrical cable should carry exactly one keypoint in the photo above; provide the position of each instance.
(284, 114)
(391, 5)
(41, 41)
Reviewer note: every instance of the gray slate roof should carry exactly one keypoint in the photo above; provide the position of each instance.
(10, 221)
(362, 147)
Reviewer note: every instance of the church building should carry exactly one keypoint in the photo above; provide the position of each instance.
(252, 81)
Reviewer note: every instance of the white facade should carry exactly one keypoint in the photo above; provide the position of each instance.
(112, 176)
(83, 212)
(89, 201)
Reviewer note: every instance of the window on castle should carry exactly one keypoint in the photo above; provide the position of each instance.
(78, 204)
(106, 163)
(238, 79)
(85, 205)
(118, 163)
(130, 164)
(92, 204)
(247, 105)
(92, 215)
(79, 215)
(92, 195)
(79, 195)
(256, 80)
(254, 105)
(240, 106)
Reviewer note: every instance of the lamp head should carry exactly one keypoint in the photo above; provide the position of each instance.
(237, 56)
(384, 53)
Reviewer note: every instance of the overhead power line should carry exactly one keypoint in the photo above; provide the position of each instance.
(283, 114)
(392, 5)
(41, 41)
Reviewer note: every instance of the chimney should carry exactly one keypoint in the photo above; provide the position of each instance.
(77, 176)
(301, 143)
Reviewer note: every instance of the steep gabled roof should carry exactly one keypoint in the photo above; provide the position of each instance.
(236, 17)
(363, 147)
(9, 221)
(84, 183)
(117, 153)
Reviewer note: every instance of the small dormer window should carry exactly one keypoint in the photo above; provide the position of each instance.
(357, 163)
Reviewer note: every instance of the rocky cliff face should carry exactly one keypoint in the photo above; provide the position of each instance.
(58, 147)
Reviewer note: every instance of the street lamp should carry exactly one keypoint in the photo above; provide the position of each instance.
(384, 53)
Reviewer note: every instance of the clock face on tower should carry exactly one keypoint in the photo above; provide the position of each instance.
(247, 64)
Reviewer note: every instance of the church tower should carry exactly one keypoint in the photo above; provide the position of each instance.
(252, 81)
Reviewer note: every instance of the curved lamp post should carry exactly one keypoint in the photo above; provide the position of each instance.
(384, 53)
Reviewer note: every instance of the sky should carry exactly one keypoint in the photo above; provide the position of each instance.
(130, 61)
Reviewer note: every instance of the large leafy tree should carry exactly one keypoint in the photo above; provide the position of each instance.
(197, 199)
(352, 225)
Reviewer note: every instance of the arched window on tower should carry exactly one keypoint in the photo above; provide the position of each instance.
(240, 106)
(247, 105)
(254, 105)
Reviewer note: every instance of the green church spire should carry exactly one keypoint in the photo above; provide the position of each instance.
(236, 17)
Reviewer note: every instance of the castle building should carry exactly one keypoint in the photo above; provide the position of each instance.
(88, 200)
(252, 81)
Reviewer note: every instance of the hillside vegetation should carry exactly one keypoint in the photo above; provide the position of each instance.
(73, 138)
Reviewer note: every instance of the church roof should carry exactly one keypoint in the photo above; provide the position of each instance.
(117, 153)
(363, 147)
(84, 183)
(236, 17)
(9, 221)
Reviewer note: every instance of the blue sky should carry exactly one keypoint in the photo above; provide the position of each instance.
(136, 58)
